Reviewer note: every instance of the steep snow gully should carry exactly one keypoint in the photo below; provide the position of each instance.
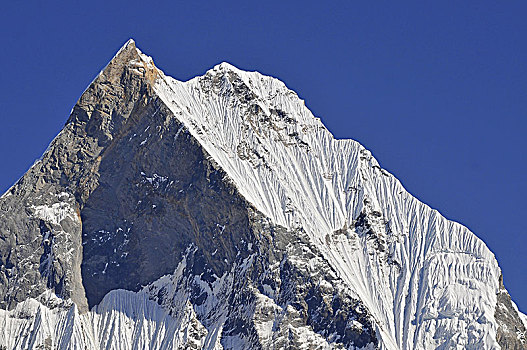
(219, 213)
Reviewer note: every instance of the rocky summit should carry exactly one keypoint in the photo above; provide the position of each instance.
(219, 213)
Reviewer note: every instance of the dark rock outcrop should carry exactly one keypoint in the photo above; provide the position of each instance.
(511, 334)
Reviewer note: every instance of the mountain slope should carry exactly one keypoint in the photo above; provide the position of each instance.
(220, 213)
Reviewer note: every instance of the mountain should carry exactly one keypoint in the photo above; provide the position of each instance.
(219, 213)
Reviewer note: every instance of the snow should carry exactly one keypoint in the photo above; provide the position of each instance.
(123, 320)
(55, 213)
(313, 181)
(178, 132)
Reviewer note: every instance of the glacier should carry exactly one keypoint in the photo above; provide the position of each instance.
(421, 280)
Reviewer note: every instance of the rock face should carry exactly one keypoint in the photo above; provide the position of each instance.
(512, 332)
(218, 213)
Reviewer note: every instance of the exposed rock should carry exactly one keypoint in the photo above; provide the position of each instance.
(511, 330)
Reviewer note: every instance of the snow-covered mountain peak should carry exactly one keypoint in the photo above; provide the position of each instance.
(226, 66)
(220, 213)
(286, 163)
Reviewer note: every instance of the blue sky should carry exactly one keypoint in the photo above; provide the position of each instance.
(437, 90)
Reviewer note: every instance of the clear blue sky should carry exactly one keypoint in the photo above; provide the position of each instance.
(437, 90)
